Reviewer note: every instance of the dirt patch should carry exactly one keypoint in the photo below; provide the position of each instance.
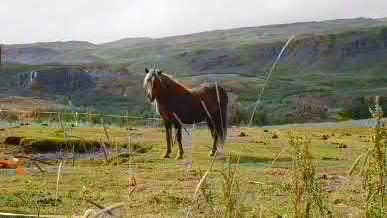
(53, 145)
(12, 140)
(29, 104)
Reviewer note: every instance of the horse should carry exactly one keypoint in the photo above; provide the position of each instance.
(178, 105)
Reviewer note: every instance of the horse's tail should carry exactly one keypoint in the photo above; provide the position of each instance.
(223, 115)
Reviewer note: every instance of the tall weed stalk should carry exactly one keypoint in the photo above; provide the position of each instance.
(306, 193)
(371, 165)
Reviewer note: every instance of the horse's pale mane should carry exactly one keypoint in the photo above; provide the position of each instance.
(168, 85)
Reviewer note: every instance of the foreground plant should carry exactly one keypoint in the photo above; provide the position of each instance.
(372, 165)
(231, 192)
(306, 193)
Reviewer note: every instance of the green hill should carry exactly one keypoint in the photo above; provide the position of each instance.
(329, 67)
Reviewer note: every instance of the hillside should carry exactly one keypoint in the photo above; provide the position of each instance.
(133, 50)
(329, 66)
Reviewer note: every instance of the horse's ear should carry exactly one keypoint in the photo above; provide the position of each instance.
(159, 72)
(146, 70)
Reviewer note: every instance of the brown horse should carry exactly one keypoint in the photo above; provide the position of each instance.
(178, 105)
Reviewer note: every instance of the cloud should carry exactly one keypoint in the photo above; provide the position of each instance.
(25, 21)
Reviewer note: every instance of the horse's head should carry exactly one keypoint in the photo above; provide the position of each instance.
(152, 83)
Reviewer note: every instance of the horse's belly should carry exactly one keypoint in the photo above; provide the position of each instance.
(193, 119)
(187, 109)
(190, 117)
(185, 117)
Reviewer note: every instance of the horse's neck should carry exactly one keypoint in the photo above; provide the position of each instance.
(169, 90)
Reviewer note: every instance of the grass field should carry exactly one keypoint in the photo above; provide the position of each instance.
(166, 187)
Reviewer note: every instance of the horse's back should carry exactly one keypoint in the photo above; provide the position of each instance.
(188, 104)
(211, 93)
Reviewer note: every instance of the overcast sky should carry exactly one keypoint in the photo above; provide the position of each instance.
(25, 21)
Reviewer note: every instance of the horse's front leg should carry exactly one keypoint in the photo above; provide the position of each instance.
(168, 134)
(214, 145)
(178, 139)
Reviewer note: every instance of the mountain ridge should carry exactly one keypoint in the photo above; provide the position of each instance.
(345, 20)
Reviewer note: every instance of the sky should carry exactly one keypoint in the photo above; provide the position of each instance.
(98, 21)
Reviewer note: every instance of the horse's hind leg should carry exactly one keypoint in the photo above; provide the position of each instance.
(214, 135)
(214, 146)
(178, 139)
(168, 134)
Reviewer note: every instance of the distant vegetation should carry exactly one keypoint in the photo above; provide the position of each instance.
(328, 73)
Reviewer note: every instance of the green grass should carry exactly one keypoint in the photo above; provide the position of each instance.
(165, 187)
